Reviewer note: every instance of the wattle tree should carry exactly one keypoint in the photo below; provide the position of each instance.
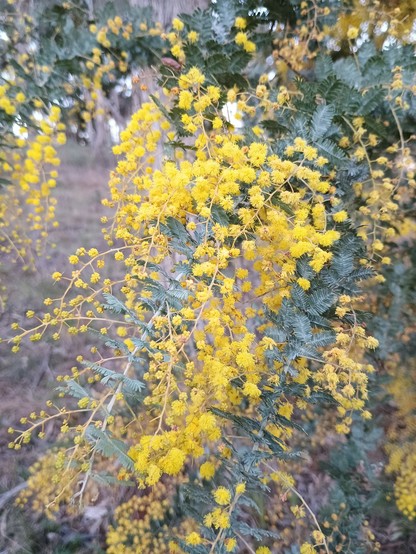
(251, 377)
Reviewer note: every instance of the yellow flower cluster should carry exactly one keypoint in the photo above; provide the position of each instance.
(307, 548)
(7, 102)
(293, 51)
(201, 350)
(401, 447)
(344, 374)
(381, 192)
(403, 463)
(386, 187)
(133, 531)
(115, 26)
(241, 39)
(28, 207)
(190, 192)
(394, 18)
(48, 487)
(179, 38)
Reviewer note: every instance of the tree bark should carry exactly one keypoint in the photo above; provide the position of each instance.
(165, 10)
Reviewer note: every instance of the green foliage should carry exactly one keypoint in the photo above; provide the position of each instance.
(108, 446)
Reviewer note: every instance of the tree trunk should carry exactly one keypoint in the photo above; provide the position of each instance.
(165, 10)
